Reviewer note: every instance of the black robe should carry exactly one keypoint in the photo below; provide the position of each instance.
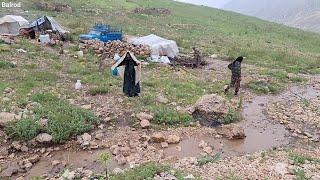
(130, 88)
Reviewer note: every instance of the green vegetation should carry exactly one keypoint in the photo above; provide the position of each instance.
(105, 159)
(262, 87)
(65, 120)
(24, 129)
(215, 31)
(299, 159)
(300, 174)
(167, 116)
(98, 90)
(147, 171)
(208, 159)
(6, 65)
(232, 116)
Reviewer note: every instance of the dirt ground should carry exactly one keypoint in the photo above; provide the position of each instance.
(277, 128)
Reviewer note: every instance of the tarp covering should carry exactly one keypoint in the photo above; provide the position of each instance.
(47, 22)
(10, 24)
(159, 46)
(131, 73)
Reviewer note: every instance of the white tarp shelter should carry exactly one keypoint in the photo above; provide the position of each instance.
(159, 46)
(10, 24)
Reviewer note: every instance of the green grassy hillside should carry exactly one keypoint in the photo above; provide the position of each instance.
(215, 31)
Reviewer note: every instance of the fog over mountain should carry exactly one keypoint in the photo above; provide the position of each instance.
(304, 14)
(210, 3)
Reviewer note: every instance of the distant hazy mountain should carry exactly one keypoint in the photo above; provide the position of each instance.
(210, 3)
(304, 14)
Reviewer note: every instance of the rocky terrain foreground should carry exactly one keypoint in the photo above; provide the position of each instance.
(277, 138)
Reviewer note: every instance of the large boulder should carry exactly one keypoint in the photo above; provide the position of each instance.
(173, 139)
(232, 132)
(158, 137)
(210, 109)
(6, 118)
(144, 116)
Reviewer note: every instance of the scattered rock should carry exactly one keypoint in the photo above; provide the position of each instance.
(99, 136)
(173, 139)
(16, 145)
(87, 173)
(55, 162)
(214, 56)
(69, 175)
(125, 151)
(208, 150)
(87, 106)
(162, 99)
(145, 124)
(8, 90)
(86, 138)
(34, 159)
(232, 132)
(6, 118)
(24, 148)
(144, 116)
(27, 165)
(43, 122)
(308, 134)
(121, 160)
(281, 168)
(118, 171)
(158, 137)
(10, 170)
(190, 176)
(44, 138)
(203, 144)
(164, 145)
(164, 176)
(291, 75)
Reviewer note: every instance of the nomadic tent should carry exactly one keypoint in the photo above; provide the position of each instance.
(48, 23)
(131, 73)
(10, 24)
(159, 46)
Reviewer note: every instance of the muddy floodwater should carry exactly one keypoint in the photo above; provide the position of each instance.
(262, 134)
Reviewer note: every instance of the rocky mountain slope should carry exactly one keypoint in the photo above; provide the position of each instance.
(302, 14)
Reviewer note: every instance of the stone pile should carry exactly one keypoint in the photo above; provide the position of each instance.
(111, 48)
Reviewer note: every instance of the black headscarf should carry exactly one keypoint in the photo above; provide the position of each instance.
(239, 59)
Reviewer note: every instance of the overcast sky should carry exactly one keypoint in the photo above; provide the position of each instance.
(211, 3)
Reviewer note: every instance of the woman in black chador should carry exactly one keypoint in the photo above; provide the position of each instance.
(130, 87)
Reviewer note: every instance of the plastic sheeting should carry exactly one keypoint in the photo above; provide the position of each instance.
(159, 46)
(54, 25)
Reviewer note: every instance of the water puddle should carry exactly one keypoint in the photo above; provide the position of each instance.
(262, 134)
(86, 159)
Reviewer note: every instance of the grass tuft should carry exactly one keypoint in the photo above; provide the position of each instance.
(167, 116)
(6, 65)
(99, 90)
(65, 120)
(24, 129)
(147, 171)
(262, 87)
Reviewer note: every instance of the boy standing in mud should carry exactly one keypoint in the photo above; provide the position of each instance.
(235, 68)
